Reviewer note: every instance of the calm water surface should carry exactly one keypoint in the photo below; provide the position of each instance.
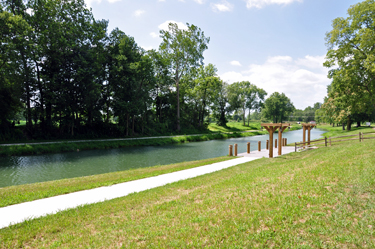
(30, 169)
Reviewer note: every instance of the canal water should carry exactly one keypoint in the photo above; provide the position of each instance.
(30, 169)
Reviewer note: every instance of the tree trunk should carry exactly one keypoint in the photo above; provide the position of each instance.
(349, 123)
(244, 116)
(248, 119)
(343, 126)
(178, 106)
(41, 92)
(358, 124)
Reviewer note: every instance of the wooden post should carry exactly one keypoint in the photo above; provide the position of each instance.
(267, 144)
(271, 145)
(235, 149)
(325, 140)
(259, 145)
(230, 150)
(304, 136)
(286, 141)
(295, 147)
(359, 136)
(248, 148)
(271, 128)
(308, 135)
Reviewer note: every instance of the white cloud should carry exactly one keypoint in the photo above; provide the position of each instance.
(235, 63)
(312, 61)
(154, 35)
(303, 80)
(261, 3)
(139, 12)
(199, 1)
(222, 6)
(165, 24)
(147, 47)
(90, 2)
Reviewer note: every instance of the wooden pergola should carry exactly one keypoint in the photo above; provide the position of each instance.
(307, 127)
(271, 128)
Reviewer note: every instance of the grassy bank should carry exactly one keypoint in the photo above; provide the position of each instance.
(337, 131)
(29, 192)
(34, 149)
(233, 130)
(322, 198)
(235, 126)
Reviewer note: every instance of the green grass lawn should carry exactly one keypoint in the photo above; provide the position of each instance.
(29, 192)
(323, 198)
(234, 126)
(337, 131)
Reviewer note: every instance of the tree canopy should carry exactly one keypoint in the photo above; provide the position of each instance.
(277, 107)
(351, 54)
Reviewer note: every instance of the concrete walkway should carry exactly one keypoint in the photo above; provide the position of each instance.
(30, 210)
(265, 152)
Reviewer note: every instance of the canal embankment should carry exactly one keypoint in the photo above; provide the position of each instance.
(301, 198)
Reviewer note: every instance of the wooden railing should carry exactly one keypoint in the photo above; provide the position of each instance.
(331, 140)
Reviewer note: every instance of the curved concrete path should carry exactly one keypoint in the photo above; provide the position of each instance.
(29, 210)
(18, 213)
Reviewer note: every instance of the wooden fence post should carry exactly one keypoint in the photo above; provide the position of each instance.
(275, 143)
(259, 145)
(286, 141)
(267, 144)
(359, 136)
(230, 150)
(325, 140)
(235, 149)
(248, 148)
(295, 147)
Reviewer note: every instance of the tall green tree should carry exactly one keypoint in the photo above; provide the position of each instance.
(13, 31)
(277, 107)
(202, 89)
(220, 102)
(244, 95)
(183, 49)
(351, 53)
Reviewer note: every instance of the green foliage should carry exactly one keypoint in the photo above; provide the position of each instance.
(351, 54)
(183, 51)
(277, 107)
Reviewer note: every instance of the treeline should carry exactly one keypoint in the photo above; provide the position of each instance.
(310, 113)
(68, 76)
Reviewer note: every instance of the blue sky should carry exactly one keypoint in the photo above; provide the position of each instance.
(277, 45)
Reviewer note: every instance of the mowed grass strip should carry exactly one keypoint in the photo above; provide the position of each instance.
(321, 198)
(29, 192)
(334, 134)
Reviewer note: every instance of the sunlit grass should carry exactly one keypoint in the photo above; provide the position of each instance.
(322, 198)
(29, 192)
(234, 126)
